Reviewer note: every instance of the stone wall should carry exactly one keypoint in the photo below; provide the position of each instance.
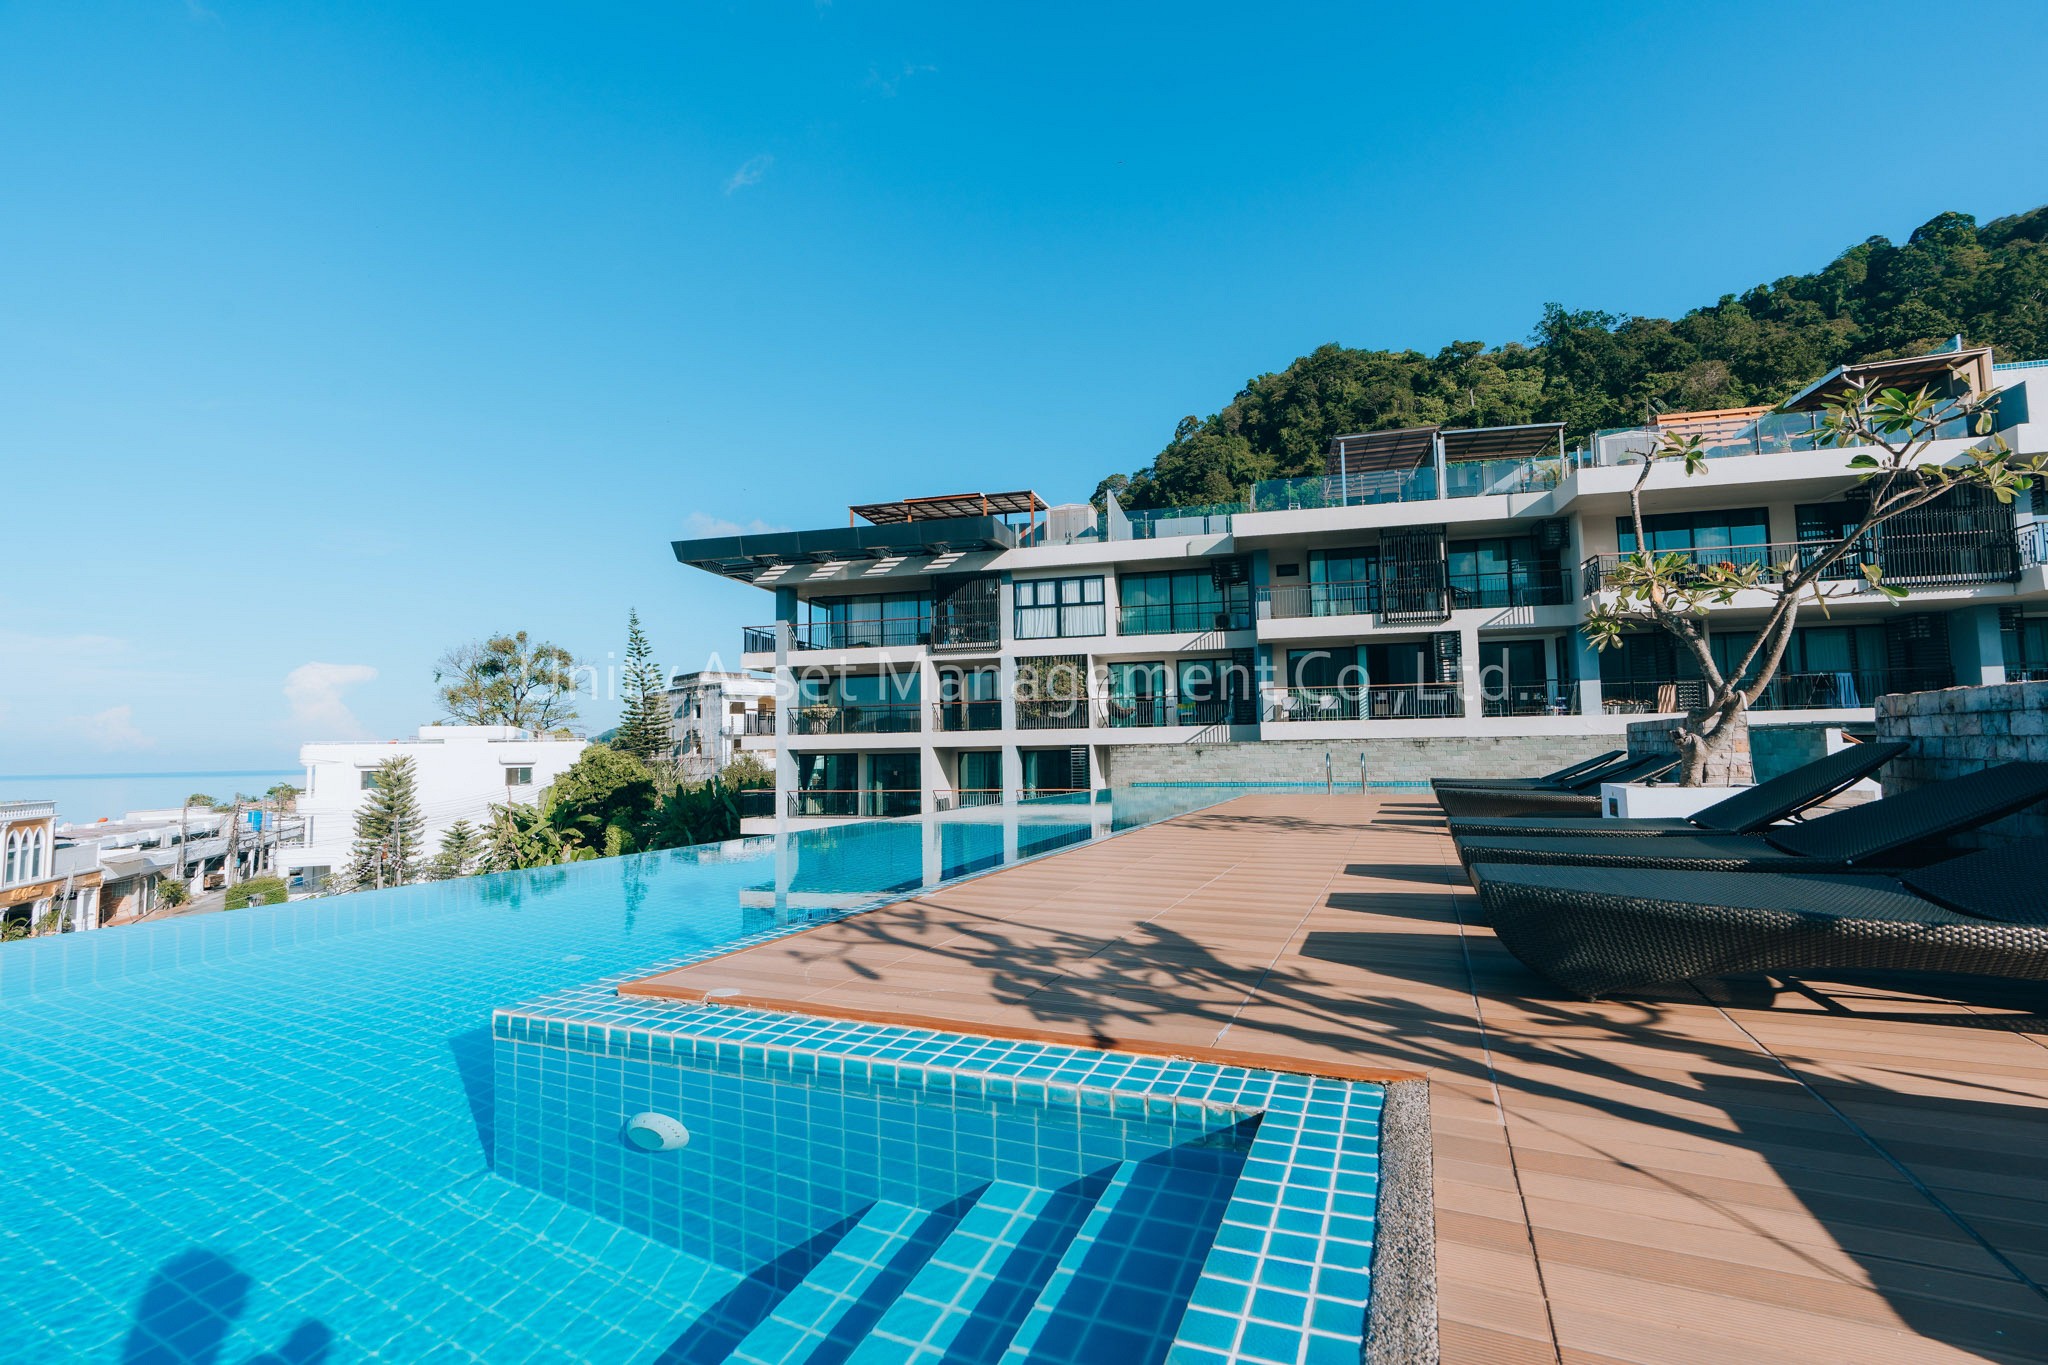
(1731, 769)
(1386, 760)
(1959, 730)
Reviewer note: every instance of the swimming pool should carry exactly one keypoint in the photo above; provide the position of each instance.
(271, 1131)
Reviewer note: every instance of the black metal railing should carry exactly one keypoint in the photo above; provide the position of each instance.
(961, 798)
(757, 639)
(1845, 689)
(757, 803)
(873, 802)
(1352, 597)
(2033, 544)
(758, 723)
(966, 630)
(862, 718)
(1529, 699)
(1960, 558)
(1137, 713)
(1166, 619)
(1511, 588)
(967, 715)
(1375, 701)
(1053, 713)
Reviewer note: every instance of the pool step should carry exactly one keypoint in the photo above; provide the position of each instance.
(1047, 1305)
(806, 1316)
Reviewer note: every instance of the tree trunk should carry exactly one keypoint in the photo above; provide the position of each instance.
(1717, 759)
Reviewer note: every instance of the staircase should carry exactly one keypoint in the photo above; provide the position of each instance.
(1001, 1275)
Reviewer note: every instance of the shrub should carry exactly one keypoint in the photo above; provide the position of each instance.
(172, 893)
(255, 891)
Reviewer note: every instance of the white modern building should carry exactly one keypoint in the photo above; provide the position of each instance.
(1415, 610)
(460, 772)
(711, 713)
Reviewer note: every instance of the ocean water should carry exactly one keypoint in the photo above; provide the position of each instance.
(85, 797)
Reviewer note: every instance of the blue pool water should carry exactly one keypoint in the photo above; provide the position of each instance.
(268, 1135)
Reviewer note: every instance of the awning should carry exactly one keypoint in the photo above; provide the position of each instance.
(950, 505)
(744, 557)
(1936, 372)
(1528, 442)
(1369, 452)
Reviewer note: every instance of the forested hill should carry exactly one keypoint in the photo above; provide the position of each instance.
(1592, 369)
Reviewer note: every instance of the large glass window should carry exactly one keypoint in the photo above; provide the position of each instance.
(867, 620)
(1057, 608)
(1184, 600)
(1501, 572)
(1343, 582)
(1137, 694)
(1697, 530)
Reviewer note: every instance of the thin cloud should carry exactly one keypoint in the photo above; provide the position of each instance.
(889, 85)
(750, 172)
(699, 526)
(314, 691)
(111, 731)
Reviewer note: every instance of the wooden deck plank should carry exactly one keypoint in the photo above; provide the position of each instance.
(1748, 1170)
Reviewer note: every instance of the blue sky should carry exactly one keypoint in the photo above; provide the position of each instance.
(333, 335)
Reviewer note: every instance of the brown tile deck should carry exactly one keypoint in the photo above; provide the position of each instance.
(1747, 1171)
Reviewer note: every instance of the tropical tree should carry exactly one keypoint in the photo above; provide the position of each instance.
(284, 794)
(461, 852)
(390, 832)
(602, 800)
(1893, 433)
(171, 892)
(201, 801)
(522, 836)
(508, 680)
(643, 718)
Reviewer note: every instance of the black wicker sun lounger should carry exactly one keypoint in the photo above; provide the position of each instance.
(1891, 830)
(1598, 930)
(1562, 775)
(1749, 810)
(1579, 796)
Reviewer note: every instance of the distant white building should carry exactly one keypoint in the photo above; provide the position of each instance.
(711, 713)
(460, 772)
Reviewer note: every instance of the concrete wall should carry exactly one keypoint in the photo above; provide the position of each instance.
(1960, 730)
(1386, 760)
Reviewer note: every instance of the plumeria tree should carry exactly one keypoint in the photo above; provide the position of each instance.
(1892, 434)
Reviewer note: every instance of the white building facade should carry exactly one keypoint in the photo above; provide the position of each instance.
(1418, 604)
(712, 714)
(459, 772)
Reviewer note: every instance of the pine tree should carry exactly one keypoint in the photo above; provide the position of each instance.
(462, 849)
(390, 832)
(643, 720)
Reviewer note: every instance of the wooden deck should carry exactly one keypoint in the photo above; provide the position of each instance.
(1741, 1171)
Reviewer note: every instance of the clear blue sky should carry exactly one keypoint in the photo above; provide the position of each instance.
(337, 334)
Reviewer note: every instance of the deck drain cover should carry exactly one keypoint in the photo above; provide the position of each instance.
(656, 1133)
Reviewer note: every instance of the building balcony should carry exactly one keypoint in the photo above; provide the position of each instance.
(1847, 690)
(1961, 559)
(955, 716)
(1053, 713)
(1374, 701)
(877, 803)
(867, 718)
(757, 803)
(1177, 620)
(965, 798)
(1737, 432)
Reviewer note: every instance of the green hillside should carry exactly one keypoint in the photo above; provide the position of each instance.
(1592, 369)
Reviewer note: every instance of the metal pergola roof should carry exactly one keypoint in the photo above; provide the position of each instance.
(1972, 367)
(1525, 442)
(949, 505)
(1369, 452)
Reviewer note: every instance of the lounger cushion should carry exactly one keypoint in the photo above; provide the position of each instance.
(2008, 885)
(1678, 852)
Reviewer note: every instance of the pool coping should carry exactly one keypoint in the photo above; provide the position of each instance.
(1289, 1276)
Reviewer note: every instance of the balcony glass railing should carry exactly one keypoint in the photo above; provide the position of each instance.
(1345, 490)
(1773, 433)
(881, 803)
(1374, 701)
(1153, 522)
(1165, 619)
(758, 723)
(1514, 588)
(1483, 478)
(880, 632)
(857, 718)
(757, 803)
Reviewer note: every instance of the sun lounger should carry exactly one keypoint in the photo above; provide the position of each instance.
(1598, 930)
(1746, 812)
(1581, 796)
(1892, 830)
(1562, 775)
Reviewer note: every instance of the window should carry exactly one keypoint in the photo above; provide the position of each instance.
(369, 779)
(519, 777)
(1502, 572)
(1057, 608)
(1697, 530)
(1184, 600)
(868, 619)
